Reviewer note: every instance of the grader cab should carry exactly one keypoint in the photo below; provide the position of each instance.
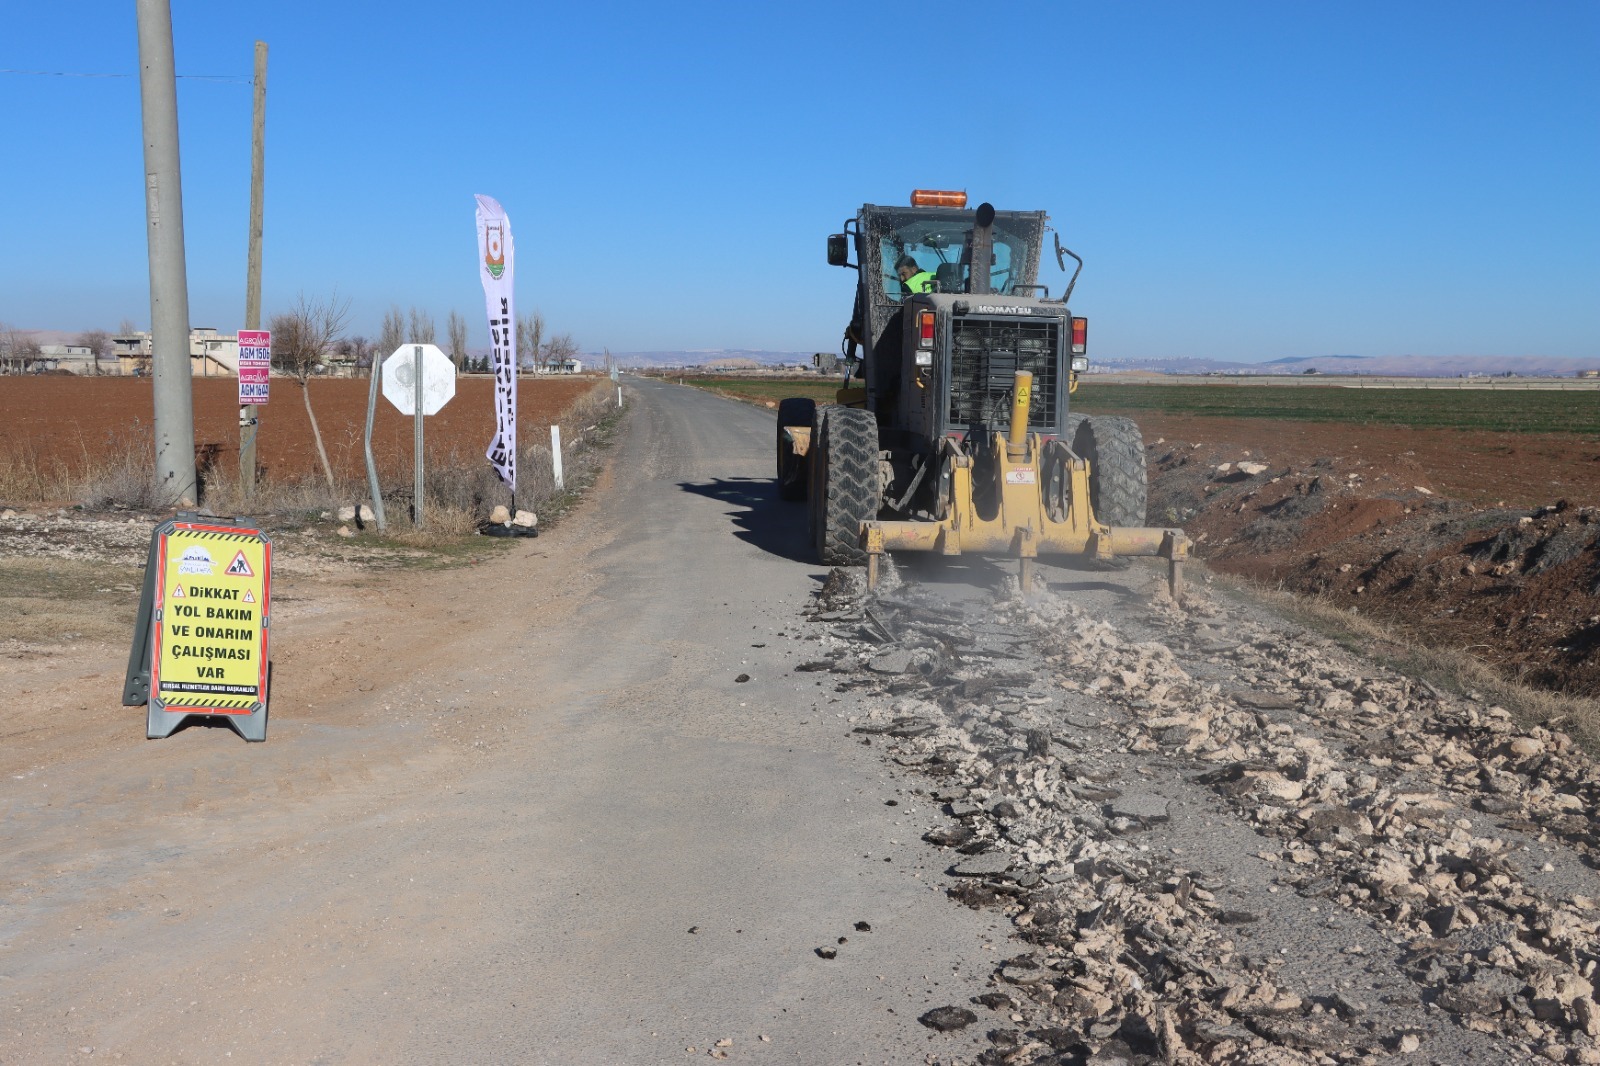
(959, 435)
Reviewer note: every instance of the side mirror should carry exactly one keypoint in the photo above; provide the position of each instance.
(838, 250)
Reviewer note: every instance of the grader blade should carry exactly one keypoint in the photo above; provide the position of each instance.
(1021, 526)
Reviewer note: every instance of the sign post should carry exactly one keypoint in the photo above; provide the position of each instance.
(255, 367)
(418, 379)
(200, 641)
(374, 372)
(418, 495)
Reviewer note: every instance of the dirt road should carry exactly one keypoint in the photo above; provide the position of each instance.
(634, 795)
(521, 813)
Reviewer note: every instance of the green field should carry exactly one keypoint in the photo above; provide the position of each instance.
(1493, 410)
(1507, 411)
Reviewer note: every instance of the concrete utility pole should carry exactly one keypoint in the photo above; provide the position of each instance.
(250, 415)
(169, 287)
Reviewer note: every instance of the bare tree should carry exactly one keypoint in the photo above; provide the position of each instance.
(393, 334)
(28, 352)
(358, 351)
(457, 329)
(98, 341)
(364, 352)
(301, 337)
(19, 349)
(559, 349)
(530, 338)
(422, 331)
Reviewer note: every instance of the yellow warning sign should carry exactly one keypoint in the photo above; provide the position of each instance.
(211, 624)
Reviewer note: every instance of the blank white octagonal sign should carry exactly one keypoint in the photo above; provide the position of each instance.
(400, 383)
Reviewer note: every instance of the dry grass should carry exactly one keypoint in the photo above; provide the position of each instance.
(1448, 669)
(114, 471)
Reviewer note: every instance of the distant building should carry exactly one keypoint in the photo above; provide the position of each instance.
(211, 354)
(73, 358)
(572, 366)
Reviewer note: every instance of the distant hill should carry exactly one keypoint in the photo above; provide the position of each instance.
(1392, 365)
(1314, 358)
(720, 357)
(1422, 366)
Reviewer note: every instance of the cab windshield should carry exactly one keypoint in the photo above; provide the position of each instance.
(939, 245)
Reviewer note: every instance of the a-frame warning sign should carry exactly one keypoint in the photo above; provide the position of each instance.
(200, 643)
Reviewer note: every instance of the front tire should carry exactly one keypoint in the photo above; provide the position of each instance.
(1118, 490)
(845, 487)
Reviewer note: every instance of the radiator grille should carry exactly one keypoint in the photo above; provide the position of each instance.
(985, 355)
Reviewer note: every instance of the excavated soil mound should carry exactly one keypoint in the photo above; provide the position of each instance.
(1483, 541)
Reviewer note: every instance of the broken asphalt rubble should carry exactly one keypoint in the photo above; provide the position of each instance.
(1221, 839)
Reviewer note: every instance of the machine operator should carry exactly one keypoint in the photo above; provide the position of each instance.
(913, 277)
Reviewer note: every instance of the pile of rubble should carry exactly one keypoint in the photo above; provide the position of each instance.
(1067, 751)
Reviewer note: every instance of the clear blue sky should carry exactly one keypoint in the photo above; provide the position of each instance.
(1244, 180)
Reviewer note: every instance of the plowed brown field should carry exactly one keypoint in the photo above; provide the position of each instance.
(1484, 541)
(75, 423)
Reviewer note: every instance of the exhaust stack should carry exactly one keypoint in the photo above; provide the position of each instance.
(981, 250)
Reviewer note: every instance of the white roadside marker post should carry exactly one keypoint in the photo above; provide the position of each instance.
(555, 456)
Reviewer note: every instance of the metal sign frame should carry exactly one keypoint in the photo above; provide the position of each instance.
(245, 711)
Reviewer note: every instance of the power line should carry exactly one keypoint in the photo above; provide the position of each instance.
(227, 78)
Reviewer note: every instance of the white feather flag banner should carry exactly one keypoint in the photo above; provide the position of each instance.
(494, 268)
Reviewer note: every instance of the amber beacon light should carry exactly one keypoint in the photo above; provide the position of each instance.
(938, 198)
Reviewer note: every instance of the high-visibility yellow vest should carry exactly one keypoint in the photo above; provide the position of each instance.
(922, 281)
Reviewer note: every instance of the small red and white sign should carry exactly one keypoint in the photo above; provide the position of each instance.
(255, 365)
(240, 567)
(1021, 477)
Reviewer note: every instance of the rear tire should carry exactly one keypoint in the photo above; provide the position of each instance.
(796, 411)
(1118, 491)
(845, 489)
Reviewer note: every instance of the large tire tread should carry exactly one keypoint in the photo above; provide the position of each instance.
(1118, 489)
(846, 476)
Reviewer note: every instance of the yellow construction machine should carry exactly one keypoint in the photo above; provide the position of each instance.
(959, 436)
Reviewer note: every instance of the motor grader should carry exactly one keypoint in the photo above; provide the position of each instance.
(959, 436)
